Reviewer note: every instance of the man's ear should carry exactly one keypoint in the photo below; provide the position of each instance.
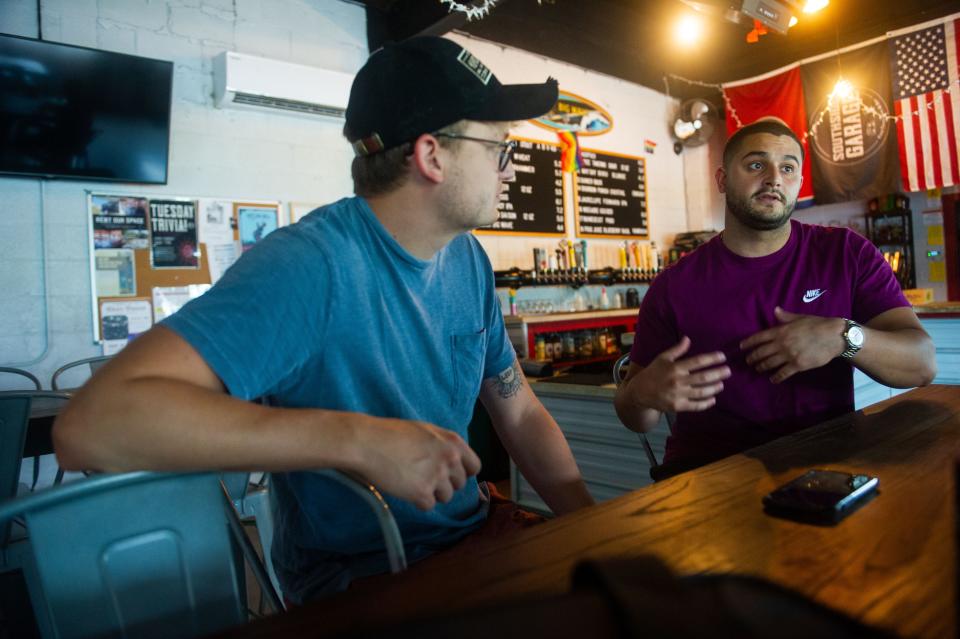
(428, 159)
(721, 177)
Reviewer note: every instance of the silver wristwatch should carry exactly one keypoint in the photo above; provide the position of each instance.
(853, 336)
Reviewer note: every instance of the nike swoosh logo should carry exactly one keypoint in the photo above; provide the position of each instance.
(813, 294)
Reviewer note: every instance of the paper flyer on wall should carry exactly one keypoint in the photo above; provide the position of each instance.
(215, 221)
(119, 222)
(220, 257)
(115, 272)
(121, 321)
(167, 300)
(216, 226)
(255, 223)
(173, 233)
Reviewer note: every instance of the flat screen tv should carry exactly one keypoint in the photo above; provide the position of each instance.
(73, 112)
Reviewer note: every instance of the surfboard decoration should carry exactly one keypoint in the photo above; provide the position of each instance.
(576, 114)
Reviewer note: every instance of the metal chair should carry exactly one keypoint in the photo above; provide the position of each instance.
(623, 362)
(36, 386)
(133, 555)
(252, 502)
(93, 362)
(14, 421)
(22, 373)
(658, 470)
(14, 541)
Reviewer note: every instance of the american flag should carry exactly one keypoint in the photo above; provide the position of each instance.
(927, 102)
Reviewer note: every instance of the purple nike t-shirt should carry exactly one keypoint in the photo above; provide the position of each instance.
(718, 299)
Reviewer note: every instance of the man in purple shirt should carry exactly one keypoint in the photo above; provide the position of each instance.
(754, 334)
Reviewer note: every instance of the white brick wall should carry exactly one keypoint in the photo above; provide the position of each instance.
(251, 155)
(220, 153)
(639, 114)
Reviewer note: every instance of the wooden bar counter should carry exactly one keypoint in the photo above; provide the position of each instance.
(892, 564)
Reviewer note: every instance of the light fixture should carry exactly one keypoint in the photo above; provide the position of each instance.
(843, 89)
(793, 21)
(688, 30)
(812, 6)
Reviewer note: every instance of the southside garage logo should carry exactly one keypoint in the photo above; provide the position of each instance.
(850, 129)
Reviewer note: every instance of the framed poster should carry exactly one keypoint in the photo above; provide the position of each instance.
(255, 222)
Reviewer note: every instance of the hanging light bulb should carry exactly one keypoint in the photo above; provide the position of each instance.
(812, 6)
(688, 30)
(842, 89)
(793, 21)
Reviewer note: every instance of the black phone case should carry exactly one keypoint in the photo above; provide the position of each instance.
(778, 506)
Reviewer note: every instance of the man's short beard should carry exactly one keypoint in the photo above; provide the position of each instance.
(741, 209)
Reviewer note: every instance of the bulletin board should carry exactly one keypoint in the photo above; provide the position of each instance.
(148, 256)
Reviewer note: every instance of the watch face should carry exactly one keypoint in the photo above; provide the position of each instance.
(855, 336)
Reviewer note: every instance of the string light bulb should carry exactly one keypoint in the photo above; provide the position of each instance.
(842, 89)
(688, 30)
(812, 6)
(793, 22)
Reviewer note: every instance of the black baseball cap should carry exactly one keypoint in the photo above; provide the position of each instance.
(425, 83)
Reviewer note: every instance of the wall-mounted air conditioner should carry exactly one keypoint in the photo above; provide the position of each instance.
(251, 82)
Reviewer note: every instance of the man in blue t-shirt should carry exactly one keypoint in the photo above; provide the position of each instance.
(755, 333)
(370, 328)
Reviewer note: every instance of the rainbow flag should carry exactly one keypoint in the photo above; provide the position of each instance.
(570, 159)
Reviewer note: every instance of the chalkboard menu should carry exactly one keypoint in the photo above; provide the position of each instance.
(533, 203)
(611, 196)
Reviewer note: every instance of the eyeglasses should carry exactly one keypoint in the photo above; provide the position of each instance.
(507, 147)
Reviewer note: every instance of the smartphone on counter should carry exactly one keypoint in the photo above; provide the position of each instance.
(821, 496)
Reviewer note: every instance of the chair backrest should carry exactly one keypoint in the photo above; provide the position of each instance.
(252, 500)
(94, 364)
(133, 555)
(619, 372)
(393, 542)
(14, 421)
(620, 368)
(22, 373)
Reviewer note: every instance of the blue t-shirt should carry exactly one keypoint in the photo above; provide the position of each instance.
(718, 298)
(333, 313)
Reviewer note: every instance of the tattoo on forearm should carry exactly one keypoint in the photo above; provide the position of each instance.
(509, 381)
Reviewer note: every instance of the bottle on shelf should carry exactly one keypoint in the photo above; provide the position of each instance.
(569, 345)
(585, 345)
(541, 347)
(557, 346)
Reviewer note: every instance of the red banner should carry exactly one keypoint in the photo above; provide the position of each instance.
(781, 96)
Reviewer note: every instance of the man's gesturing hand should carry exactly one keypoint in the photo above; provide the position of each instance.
(799, 343)
(676, 385)
(415, 460)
